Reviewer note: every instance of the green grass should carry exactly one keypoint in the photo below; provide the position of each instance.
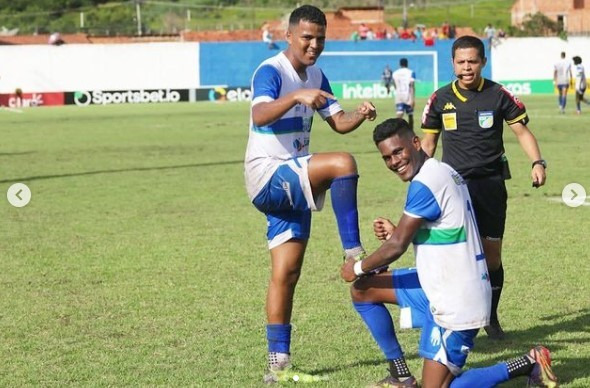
(140, 261)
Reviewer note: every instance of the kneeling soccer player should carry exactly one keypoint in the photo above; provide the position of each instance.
(448, 293)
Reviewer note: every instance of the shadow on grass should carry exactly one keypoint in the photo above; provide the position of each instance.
(517, 342)
(340, 367)
(117, 171)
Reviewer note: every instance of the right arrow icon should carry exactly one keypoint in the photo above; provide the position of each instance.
(573, 195)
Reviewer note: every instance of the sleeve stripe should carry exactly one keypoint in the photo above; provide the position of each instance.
(431, 130)
(516, 120)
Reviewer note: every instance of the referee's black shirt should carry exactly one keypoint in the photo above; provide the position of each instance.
(471, 122)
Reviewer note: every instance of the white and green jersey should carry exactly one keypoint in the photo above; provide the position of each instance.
(450, 262)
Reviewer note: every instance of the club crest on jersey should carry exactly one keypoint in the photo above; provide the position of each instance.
(485, 119)
(449, 106)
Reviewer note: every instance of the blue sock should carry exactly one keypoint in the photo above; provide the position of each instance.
(564, 101)
(380, 324)
(343, 194)
(482, 377)
(560, 100)
(279, 338)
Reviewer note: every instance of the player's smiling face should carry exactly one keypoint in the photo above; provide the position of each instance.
(468, 65)
(402, 156)
(306, 43)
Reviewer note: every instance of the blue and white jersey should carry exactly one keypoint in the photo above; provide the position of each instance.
(288, 137)
(563, 69)
(403, 79)
(580, 77)
(450, 262)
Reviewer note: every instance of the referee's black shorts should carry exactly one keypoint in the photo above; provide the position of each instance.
(489, 198)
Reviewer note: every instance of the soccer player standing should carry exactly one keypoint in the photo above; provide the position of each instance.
(285, 181)
(447, 294)
(562, 77)
(469, 114)
(580, 83)
(403, 82)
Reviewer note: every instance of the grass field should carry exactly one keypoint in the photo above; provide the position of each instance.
(140, 262)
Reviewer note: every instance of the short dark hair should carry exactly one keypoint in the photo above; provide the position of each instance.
(563, 54)
(392, 127)
(468, 41)
(577, 60)
(403, 62)
(308, 13)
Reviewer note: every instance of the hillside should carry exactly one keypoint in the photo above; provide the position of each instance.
(221, 20)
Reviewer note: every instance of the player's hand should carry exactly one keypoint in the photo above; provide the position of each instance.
(367, 110)
(314, 98)
(538, 175)
(347, 270)
(383, 228)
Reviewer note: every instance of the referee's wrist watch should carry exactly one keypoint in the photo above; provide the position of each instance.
(542, 162)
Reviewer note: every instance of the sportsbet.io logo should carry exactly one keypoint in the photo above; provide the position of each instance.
(82, 98)
(98, 97)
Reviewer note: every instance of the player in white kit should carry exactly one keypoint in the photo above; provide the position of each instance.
(403, 82)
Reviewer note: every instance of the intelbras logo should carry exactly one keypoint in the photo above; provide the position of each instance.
(227, 94)
(98, 97)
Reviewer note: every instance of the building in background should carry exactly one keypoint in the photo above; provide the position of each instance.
(572, 15)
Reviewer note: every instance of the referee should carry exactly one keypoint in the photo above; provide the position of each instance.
(469, 113)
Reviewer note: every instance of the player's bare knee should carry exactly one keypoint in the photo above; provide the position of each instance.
(344, 163)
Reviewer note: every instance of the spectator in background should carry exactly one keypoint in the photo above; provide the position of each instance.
(418, 32)
(370, 34)
(490, 33)
(429, 38)
(55, 39)
(501, 33)
(354, 36)
(444, 30)
(363, 31)
(452, 31)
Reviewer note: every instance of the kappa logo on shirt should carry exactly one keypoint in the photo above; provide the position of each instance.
(449, 106)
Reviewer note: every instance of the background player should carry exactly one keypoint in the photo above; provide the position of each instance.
(286, 182)
(579, 83)
(403, 81)
(562, 77)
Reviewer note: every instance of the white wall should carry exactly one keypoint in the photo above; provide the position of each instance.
(533, 58)
(73, 67)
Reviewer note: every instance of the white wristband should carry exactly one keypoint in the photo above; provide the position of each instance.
(358, 269)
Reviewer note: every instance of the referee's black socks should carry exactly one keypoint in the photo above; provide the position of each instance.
(497, 282)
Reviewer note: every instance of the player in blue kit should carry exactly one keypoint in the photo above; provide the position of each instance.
(285, 181)
(447, 295)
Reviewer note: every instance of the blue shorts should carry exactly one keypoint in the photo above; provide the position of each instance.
(287, 201)
(404, 108)
(446, 347)
(561, 87)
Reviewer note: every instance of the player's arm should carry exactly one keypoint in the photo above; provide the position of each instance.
(344, 122)
(388, 252)
(529, 144)
(264, 113)
(431, 126)
(429, 142)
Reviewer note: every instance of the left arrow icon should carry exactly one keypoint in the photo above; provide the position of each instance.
(19, 195)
